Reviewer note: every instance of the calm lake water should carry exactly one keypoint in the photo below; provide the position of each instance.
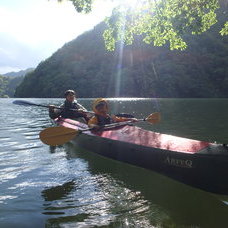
(42, 186)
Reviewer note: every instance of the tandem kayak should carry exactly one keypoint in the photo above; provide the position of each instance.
(197, 163)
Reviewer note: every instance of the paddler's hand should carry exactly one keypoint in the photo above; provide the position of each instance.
(94, 127)
(81, 111)
(51, 108)
(133, 119)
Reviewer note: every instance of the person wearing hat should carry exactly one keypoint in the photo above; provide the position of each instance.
(69, 109)
(101, 117)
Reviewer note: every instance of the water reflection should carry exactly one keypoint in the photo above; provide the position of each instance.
(142, 198)
(58, 192)
(91, 199)
(79, 201)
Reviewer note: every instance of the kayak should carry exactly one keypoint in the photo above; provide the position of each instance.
(197, 163)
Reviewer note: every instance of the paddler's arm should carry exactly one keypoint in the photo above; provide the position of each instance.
(81, 108)
(83, 112)
(54, 112)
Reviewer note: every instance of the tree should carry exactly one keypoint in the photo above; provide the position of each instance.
(137, 70)
(158, 21)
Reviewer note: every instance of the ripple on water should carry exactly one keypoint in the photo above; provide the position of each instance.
(8, 144)
(4, 138)
(3, 198)
(93, 200)
(23, 130)
(8, 159)
(31, 133)
(9, 173)
(32, 138)
(27, 146)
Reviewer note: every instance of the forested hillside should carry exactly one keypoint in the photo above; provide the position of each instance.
(139, 70)
(19, 73)
(8, 85)
(9, 82)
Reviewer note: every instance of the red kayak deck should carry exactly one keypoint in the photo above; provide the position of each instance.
(139, 136)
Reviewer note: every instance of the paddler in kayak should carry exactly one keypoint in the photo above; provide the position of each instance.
(101, 117)
(66, 112)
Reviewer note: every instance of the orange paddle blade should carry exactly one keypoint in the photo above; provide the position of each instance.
(55, 136)
(154, 118)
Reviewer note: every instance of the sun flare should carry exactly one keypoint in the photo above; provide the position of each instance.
(131, 4)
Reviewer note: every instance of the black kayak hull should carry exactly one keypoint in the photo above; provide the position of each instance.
(206, 168)
(206, 172)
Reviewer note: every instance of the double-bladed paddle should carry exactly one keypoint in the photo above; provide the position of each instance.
(55, 136)
(28, 103)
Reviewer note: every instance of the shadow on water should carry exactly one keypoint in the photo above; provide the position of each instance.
(158, 201)
(58, 192)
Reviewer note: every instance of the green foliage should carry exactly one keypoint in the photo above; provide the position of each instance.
(82, 6)
(224, 31)
(158, 21)
(3, 84)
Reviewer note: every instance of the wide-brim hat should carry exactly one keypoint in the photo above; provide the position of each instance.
(99, 101)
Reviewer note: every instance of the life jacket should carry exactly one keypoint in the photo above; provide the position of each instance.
(102, 120)
(67, 113)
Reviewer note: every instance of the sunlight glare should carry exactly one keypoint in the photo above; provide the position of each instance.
(131, 4)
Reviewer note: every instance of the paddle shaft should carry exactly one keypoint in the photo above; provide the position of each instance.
(21, 102)
(71, 109)
(26, 103)
(112, 125)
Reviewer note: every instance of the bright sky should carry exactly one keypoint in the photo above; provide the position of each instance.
(31, 30)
